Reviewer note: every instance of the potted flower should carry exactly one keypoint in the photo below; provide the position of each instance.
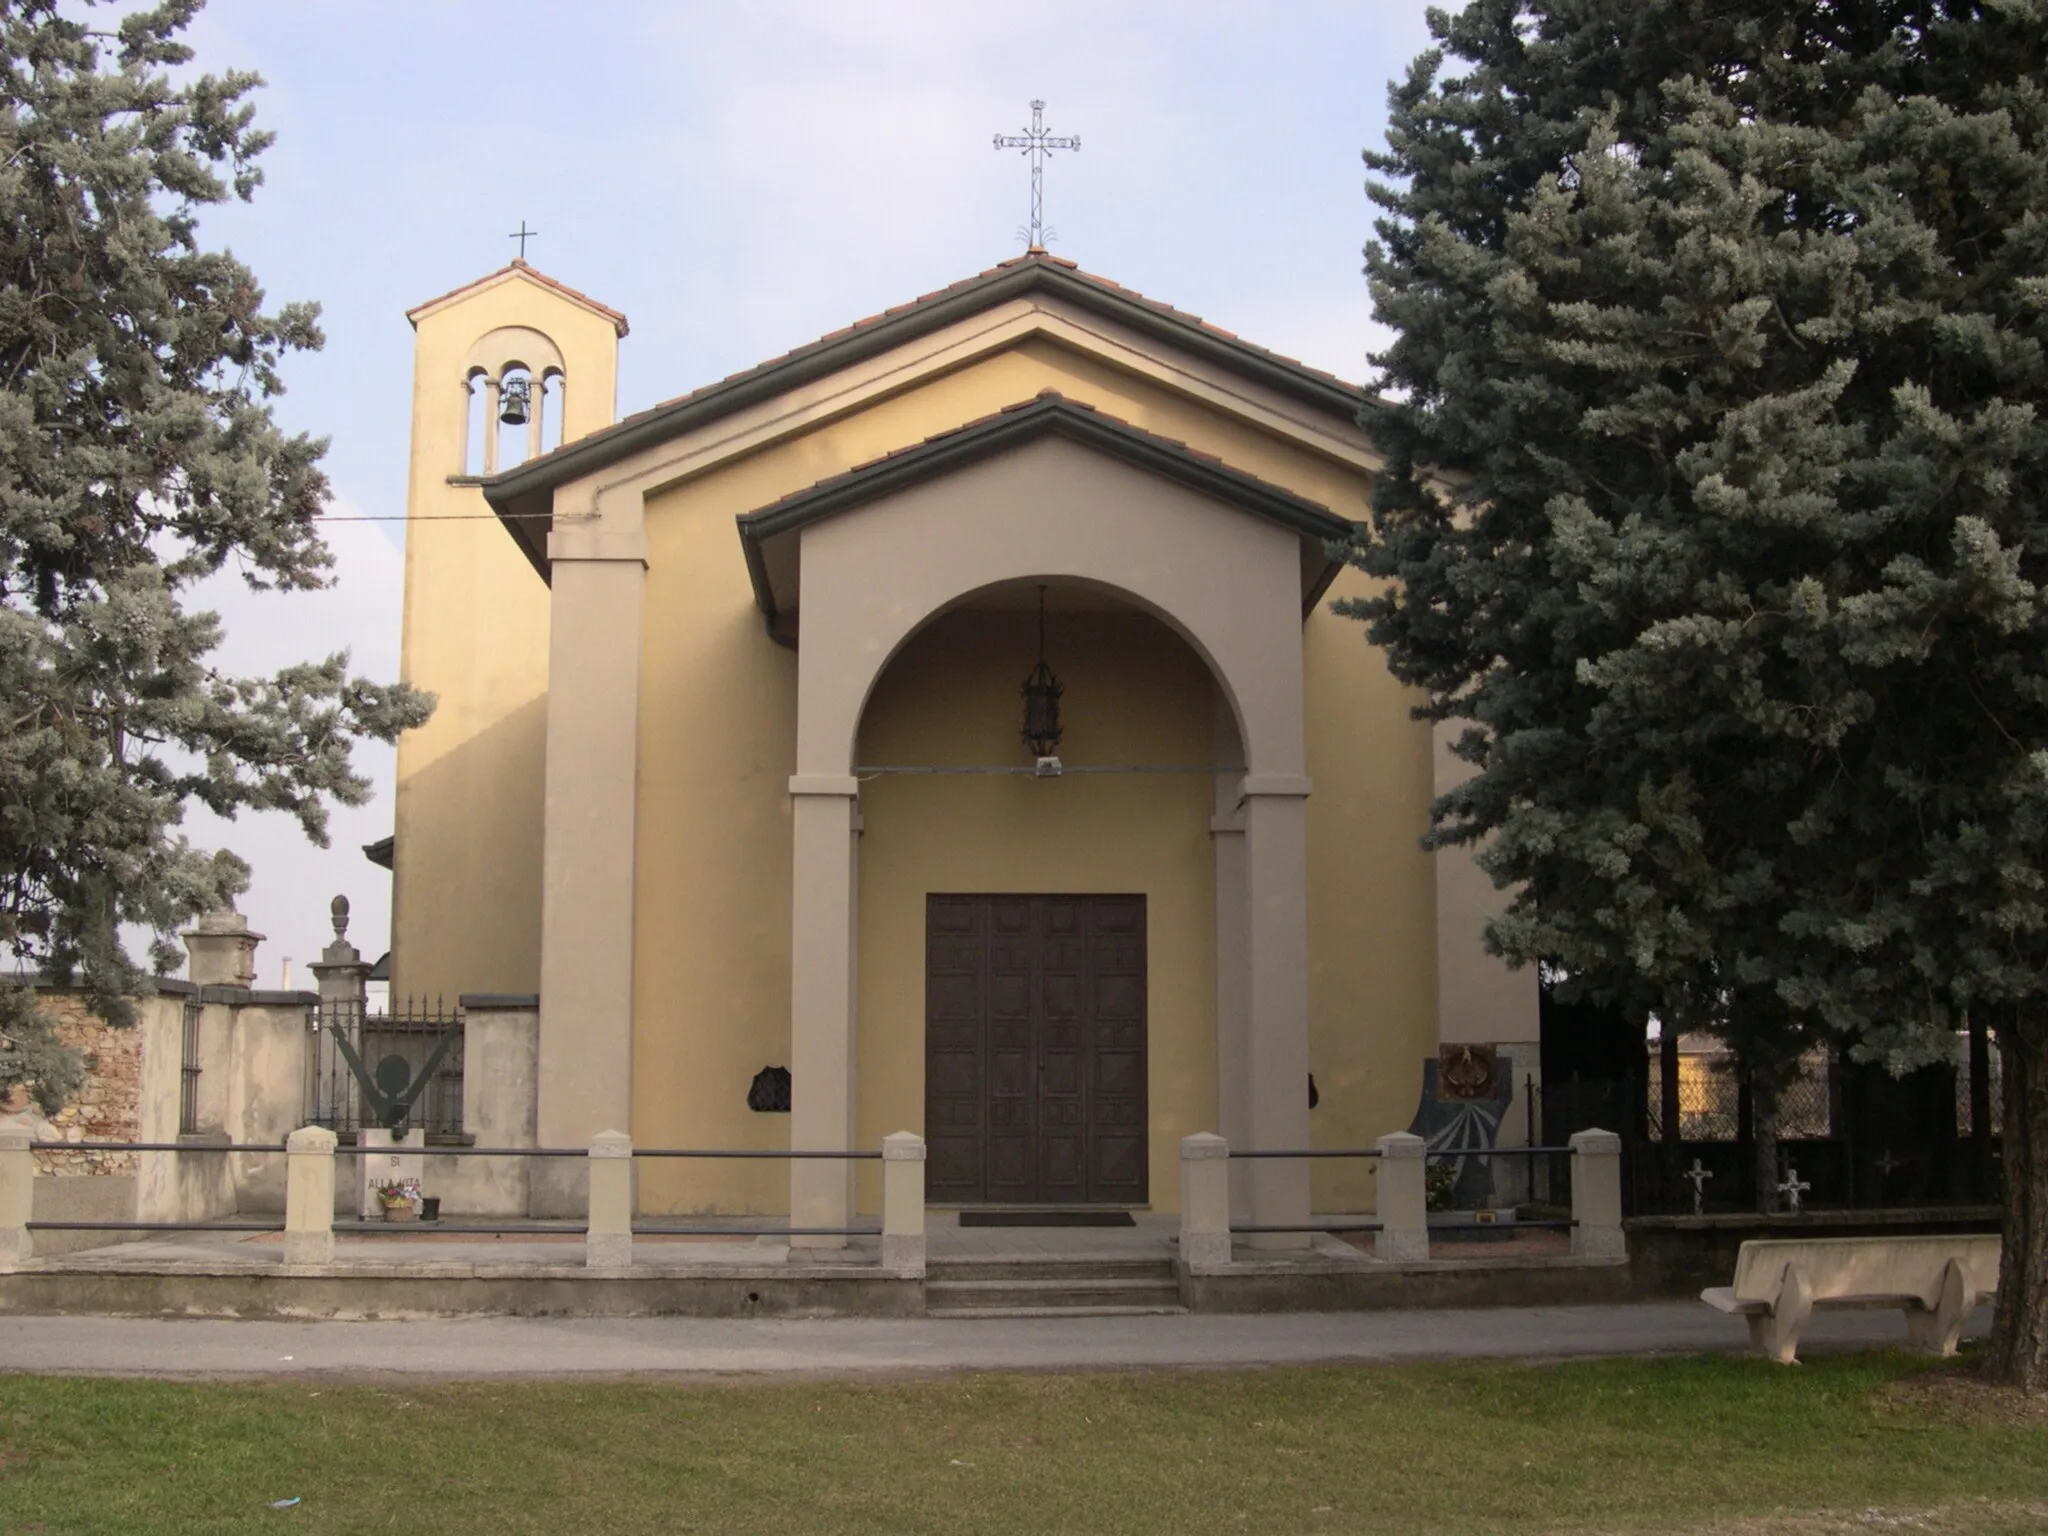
(397, 1201)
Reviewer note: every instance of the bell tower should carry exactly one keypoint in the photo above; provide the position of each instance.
(504, 369)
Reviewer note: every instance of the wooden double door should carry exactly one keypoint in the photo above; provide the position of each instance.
(1035, 1049)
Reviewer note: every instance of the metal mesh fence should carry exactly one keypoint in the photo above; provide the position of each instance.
(1710, 1093)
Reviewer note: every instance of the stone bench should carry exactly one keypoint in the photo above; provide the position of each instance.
(1935, 1281)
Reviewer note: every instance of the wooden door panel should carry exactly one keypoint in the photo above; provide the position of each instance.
(955, 965)
(1117, 1155)
(1035, 1048)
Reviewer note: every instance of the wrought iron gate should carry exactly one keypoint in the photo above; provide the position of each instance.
(336, 1097)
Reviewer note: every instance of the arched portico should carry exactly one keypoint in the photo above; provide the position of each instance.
(1202, 550)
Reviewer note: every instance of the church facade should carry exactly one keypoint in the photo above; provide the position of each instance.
(950, 712)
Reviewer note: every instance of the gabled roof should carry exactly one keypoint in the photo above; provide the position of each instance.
(1050, 413)
(512, 269)
(1033, 273)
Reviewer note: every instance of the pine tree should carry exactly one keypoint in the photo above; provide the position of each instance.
(1717, 423)
(138, 455)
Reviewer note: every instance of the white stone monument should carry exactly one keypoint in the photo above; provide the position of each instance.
(389, 1159)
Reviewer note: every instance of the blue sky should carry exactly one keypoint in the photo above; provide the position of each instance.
(739, 178)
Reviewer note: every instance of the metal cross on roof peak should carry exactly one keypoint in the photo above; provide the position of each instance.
(1036, 143)
(522, 234)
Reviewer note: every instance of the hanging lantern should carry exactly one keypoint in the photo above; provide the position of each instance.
(513, 396)
(1041, 693)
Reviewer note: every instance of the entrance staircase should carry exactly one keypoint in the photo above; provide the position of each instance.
(1050, 1287)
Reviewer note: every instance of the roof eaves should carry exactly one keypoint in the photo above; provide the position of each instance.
(921, 316)
(1008, 428)
(517, 268)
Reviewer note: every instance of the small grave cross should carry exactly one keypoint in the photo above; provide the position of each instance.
(1697, 1177)
(1793, 1188)
(522, 234)
(1037, 144)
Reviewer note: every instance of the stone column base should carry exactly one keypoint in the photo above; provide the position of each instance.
(1599, 1243)
(308, 1248)
(1407, 1247)
(903, 1254)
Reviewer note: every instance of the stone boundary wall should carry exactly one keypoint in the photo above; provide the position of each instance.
(108, 1103)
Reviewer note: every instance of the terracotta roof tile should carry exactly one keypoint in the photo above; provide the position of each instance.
(1037, 257)
(631, 432)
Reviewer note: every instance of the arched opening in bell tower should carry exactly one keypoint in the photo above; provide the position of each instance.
(515, 388)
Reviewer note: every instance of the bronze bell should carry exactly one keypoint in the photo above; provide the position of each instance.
(513, 397)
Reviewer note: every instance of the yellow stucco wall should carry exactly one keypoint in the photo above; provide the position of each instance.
(466, 882)
(716, 747)
(1371, 898)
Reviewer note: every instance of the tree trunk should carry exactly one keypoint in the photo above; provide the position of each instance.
(1766, 1145)
(2019, 1331)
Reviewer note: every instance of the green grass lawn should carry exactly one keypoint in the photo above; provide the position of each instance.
(1842, 1442)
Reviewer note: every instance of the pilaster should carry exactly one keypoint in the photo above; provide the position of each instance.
(585, 1069)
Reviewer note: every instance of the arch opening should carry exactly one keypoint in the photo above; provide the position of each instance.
(1075, 609)
(1036, 955)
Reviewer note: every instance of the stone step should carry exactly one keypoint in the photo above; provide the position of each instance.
(1040, 1267)
(1013, 1292)
(965, 1313)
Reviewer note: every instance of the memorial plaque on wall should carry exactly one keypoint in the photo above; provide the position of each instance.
(1467, 1071)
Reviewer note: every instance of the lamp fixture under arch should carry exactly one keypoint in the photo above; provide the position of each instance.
(1041, 693)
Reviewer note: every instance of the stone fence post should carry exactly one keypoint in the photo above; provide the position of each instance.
(309, 1195)
(1403, 1237)
(17, 1198)
(608, 1239)
(1596, 1196)
(341, 973)
(1204, 1200)
(220, 950)
(903, 1246)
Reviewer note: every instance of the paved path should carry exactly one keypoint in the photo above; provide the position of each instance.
(506, 1346)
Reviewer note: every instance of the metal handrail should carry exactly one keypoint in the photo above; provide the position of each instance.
(1313, 1152)
(793, 1153)
(156, 1226)
(658, 1229)
(1376, 1152)
(358, 1150)
(156, 1146)
(1506, 1152)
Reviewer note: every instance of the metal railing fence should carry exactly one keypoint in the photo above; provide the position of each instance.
(1333, 1227)
(537, 1226)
